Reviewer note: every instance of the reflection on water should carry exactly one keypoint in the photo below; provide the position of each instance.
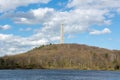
(58, 75)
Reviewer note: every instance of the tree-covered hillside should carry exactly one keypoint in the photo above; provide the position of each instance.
(64, 56)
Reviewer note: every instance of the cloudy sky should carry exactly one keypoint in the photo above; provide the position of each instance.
(25, 24)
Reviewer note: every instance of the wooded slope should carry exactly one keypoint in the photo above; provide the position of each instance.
(64, 56)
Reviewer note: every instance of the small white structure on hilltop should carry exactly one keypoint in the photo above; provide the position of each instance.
(62, 34)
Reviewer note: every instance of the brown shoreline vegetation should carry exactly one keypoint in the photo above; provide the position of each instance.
(64, 56)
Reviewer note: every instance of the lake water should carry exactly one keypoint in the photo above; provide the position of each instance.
(58, 75)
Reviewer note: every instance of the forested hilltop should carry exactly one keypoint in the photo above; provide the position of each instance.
(64, 56)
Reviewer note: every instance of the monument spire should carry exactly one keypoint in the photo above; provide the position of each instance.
(62, 34)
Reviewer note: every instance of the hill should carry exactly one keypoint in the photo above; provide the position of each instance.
(64, 56)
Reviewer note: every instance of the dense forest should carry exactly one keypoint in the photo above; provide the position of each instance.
(64, 56)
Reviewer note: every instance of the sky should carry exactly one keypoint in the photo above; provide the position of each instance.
(26, 24)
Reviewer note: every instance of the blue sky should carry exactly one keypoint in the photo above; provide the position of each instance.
(25, 24)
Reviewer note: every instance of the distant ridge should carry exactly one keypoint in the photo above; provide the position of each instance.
(64, 56)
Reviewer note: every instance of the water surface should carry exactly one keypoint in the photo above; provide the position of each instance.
(58, 75)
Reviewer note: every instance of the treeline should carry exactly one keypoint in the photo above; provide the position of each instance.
(64, 56)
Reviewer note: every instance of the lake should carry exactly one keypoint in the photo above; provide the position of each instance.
(58, 75)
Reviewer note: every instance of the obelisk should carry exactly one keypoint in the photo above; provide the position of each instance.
(62, 34)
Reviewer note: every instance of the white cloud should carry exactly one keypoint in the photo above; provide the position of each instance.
(71, 36)
(97, 32)
(6, 5)
(3, 37)
(12, 44)
(39, 15)
(5, 27)
(118, 10)
(25, 20)
(25, 29)
(94, 4)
